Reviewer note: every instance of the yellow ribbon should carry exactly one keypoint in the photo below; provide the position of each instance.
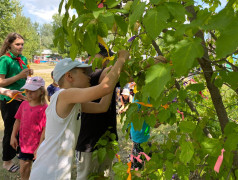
(16, 96)
(101, 41)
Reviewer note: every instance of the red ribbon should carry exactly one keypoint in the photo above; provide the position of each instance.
(181, 114)
(20, 61)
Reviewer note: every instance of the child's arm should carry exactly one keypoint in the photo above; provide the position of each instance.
(69, 97)
(16, 127)
(42, 138)
(101, 107)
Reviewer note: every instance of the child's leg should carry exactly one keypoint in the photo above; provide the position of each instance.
(25, 169)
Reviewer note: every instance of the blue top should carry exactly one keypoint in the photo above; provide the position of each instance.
(52, 89)
(142, 135)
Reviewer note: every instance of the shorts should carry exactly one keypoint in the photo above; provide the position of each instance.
(25, 156)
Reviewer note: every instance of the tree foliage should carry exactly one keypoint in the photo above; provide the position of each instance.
(197, 43)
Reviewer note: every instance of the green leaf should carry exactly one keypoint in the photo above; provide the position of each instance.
(101, 154)
(137, 13)
(227, 42)
(211, 146)
(196, 87)
(164, 115)
(187, 151)
(91, 5)
(90, 39)
(183, 172)
(102, 142)
(177, 10)
(107, 18)
(169, 170)
(112, 3)
(102, 29)
(73, 51)
(231, 142)
(60, 6)
(186, 52)
(231, 127)
(187, 126)
(157, 77)
(153, 24)
(121, 23)
(155, 2)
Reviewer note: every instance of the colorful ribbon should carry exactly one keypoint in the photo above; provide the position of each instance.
(181, 114)
(16, 96)
(129, 170)
(118, 157)
(20, 61)
(101, 41)
(143, 104)
(136, 157)
(219, 161)
(166, 106)
(146, 156)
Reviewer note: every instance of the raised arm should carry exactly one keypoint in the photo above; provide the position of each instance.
(82, 95)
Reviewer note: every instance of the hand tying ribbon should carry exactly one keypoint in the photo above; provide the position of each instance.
(181, 114)
(219, 161)
(16, 96)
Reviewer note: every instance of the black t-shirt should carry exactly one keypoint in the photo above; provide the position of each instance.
(93, 126)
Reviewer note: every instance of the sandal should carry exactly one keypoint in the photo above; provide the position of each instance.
(14, 168)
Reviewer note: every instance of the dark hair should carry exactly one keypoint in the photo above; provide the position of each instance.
(103, 51)
(11, 37)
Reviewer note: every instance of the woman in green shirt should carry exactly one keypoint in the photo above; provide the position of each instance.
(13, 74)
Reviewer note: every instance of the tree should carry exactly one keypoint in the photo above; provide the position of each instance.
(46, 34)
(197, 42)
(63, 45)
(28, 30)
(6, 13)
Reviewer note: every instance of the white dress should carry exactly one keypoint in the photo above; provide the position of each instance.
(56, 152)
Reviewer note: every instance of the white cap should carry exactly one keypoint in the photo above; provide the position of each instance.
(126, 92)
(65, 65)
(34, 83)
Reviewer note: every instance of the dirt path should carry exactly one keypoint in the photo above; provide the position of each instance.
(43, 70)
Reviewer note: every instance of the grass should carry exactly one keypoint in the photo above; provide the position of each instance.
(44, 70)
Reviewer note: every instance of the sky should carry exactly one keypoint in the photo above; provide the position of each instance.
(41, 11)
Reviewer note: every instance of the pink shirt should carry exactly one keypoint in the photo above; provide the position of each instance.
(32, 121)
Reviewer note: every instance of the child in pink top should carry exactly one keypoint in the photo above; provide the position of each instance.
(30, 122)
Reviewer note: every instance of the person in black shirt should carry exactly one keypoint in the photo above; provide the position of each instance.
(93, 126)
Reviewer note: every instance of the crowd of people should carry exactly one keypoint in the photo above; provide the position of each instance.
(82, 108)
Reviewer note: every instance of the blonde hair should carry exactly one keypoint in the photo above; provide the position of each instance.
(11, 37)
(42, 96)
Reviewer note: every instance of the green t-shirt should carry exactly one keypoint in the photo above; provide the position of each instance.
(11, 67)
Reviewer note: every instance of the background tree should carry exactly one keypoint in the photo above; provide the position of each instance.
(27, 29)
(198, 43)
(6, 14)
